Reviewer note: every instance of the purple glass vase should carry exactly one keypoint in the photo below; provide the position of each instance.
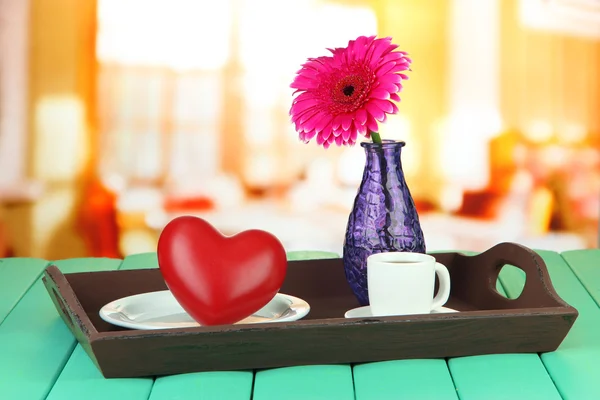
(384, 217)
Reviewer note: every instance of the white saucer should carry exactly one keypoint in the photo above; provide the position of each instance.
(365, 312)
(160, 310)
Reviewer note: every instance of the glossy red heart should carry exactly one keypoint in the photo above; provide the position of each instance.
(219, 279)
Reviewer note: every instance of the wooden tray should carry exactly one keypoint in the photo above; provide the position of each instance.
(537, 321)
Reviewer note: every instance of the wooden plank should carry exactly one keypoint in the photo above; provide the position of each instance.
(404, 379)
(80, 379)
(204, 385)
(315, 382)
(207, 385)
(310, 255)
(574, 366)
(16, 277)
(140, 261)
(35, 339)
(586, 266)
(502, 376)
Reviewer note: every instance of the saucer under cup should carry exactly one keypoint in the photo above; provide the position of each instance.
(403, 283)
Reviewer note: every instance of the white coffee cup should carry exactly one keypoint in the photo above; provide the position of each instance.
(402, 283)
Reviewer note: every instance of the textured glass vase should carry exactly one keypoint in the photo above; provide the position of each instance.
(384, 217)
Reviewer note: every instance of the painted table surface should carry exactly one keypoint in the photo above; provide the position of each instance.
(39, 358)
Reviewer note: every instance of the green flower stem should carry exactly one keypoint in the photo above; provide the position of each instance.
(375, 137)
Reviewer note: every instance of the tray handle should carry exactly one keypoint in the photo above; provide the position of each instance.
(474, 277)
(67, 305)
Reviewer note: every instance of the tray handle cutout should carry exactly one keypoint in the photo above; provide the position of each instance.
(58, 301)
(67, 305)
(474, 277)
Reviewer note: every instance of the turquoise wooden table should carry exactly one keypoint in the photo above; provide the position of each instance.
(39, 358)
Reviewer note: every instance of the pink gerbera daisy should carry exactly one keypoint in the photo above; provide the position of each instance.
(348, 93)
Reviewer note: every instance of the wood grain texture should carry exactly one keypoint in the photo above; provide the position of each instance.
(404, 379)
(218, 385)
(586, 266)
(19, 274)
(315, 382)
(81, 379)
(503, 376)
(574, 366)
(36, 340)
(310, 255)
(487, 325)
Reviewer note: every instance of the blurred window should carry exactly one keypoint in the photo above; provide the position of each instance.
(171, 74)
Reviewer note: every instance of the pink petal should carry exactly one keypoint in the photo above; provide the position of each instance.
(338, 140)
(337, 121)
(309, 135)
(302, 105)
(385, 68)
(384, 105)
(388, 87)
(304, 82)
(362, 129)
(346, 122)
(310, 124)
(391, 78)
(372, 124)
(301, 117)
(361, 117)
(346, 135)
(380, 48)
(394, 108)
(400, 67)
(395, 97)
(394, 56)
(320, 139)
(325, 120)
(360, 48)
(374, 111)
(380, 94)
(307, 114)
(326, 133)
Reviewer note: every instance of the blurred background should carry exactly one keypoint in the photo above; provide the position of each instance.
(118, 115)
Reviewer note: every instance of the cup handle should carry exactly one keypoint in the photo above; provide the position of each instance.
(444, 286)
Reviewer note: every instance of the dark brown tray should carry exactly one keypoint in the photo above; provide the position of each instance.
(488, 323)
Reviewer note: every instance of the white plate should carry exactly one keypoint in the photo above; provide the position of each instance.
(365, 312)
(160, 310)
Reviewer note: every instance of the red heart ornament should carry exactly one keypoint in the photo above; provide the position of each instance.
(219, 279)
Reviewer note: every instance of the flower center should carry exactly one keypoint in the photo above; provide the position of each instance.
(349, 88)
